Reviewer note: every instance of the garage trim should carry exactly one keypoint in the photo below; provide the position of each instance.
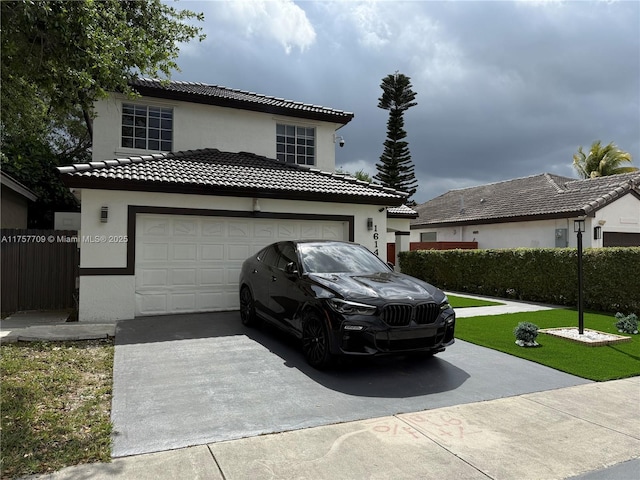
(133, 210)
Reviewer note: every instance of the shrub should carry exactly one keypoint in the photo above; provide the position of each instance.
(627, 324)
(526, 333)
(546, 275)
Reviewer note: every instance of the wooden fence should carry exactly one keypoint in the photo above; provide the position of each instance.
(39, 269)
(391, 247)
(443, 245)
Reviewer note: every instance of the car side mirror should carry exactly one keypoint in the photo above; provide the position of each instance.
(391, 266)
(291, 269)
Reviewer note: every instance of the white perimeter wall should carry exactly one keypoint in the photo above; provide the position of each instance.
(206, 126)
(112, 297)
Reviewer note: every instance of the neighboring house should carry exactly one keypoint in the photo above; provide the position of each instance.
(398, 235)
(535, 211)
(15, 202)
(167, 232)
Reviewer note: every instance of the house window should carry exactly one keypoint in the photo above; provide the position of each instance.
(296, 144)
(147, 128)
(429, 237)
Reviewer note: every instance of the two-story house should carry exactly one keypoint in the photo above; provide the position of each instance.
(189, 179)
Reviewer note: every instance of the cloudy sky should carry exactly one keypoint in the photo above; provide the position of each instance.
(504, 89)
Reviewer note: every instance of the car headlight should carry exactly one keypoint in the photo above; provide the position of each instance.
(350, 308)
(445, 305)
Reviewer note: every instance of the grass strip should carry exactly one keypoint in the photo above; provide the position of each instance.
(463, 302)
(594, 363)
(55, 404)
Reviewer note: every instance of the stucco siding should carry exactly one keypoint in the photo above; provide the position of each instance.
(208, 126)
(104, 245)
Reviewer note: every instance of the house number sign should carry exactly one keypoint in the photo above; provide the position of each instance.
(376, 236)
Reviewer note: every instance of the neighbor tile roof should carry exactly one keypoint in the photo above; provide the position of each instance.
(212, 172)
(232, 98)
(403, 211)
(529, 198)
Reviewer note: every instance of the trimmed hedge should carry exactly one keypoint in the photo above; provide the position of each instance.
(611, 276)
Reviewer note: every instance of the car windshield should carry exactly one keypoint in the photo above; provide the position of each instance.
(339, 258)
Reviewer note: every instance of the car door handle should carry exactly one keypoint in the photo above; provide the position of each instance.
(273, 279)
(255, 271)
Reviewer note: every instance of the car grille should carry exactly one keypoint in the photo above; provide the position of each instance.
(427, 313)
(401, 315)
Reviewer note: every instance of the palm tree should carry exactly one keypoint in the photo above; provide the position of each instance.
(602, 161)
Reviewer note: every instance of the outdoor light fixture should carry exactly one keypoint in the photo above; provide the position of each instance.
(578, 227)
(369, 223)
(256, 205)
(104, 214)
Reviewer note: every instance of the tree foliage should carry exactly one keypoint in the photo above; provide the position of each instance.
(396, 169)
(59, 57)
(68, 54)
(601, 161)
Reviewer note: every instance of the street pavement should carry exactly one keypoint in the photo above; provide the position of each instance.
(588, 431)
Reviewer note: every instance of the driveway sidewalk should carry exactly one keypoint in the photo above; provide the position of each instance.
(590, 431)
(587, 432)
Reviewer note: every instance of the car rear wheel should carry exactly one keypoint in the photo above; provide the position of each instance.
(315, 342)
(247, 308)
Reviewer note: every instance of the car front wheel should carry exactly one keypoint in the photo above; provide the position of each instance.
(247, 308)
(315, 342)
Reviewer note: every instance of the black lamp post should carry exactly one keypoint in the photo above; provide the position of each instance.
(578, 227)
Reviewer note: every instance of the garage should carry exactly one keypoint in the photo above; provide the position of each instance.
(189, 263)
(619, 239)
(182, 224)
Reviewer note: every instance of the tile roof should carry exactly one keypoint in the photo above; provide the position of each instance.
(212, 172)
(529, 198)
(232, 98)
(403, 211)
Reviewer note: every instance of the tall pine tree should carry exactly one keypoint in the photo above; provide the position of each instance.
(396, 170)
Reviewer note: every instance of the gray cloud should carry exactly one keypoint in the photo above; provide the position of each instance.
(505, 89)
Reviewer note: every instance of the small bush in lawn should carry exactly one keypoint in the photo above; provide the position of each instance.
(526, 333)
(627, 324)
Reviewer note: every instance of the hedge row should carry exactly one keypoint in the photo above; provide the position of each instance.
(611, 276)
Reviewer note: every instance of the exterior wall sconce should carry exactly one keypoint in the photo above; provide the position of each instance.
(256, 205)
(597, 233)
(104, 214)
(369, 223)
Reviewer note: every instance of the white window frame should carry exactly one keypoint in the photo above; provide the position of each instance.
(296, 144)
(146, 127)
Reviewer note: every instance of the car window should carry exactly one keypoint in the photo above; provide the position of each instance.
(269, 256)
(339, 258)
(287, 255)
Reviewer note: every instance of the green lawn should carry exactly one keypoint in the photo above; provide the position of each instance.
(595, 363)
(462, 302)
(56, 405)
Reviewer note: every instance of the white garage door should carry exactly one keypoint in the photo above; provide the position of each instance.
(192, 264)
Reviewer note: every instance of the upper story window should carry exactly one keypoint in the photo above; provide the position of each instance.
(296, 144)
(147, 127)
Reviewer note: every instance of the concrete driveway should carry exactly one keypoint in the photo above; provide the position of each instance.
(192, 379)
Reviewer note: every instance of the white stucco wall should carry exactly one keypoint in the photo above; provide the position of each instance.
(622, 215)
(537, 234)
(112, 297)
(207, 126)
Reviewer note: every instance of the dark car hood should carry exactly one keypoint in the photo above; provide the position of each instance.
(389, 286)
